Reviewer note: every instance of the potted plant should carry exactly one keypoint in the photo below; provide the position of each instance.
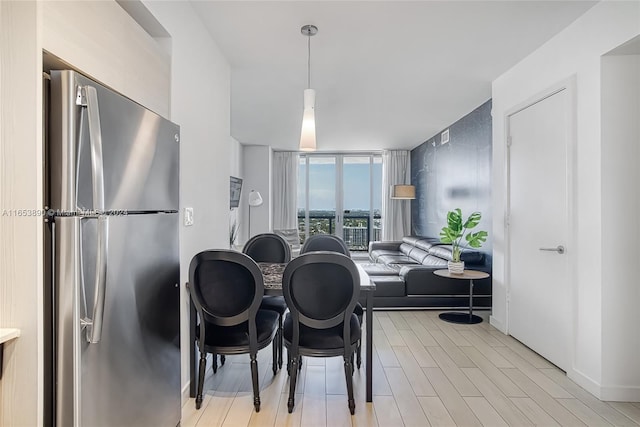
(455, 231)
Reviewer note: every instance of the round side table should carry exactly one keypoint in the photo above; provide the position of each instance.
(470, 275)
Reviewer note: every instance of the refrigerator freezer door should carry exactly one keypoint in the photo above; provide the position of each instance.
(140, 150)
(132, 375)
(66, 316)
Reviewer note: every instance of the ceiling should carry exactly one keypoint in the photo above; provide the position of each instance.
(387, 74)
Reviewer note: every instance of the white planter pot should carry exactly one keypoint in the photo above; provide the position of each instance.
(455, 267)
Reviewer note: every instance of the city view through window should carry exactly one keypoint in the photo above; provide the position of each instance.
(341, 195)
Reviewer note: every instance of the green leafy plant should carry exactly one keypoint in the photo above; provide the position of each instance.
(457, 229)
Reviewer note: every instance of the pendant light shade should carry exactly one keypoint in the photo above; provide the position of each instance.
(308, 132)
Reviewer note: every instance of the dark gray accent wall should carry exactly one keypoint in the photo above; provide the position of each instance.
(454, 175)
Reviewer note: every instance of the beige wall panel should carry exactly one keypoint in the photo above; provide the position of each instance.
(20, 236)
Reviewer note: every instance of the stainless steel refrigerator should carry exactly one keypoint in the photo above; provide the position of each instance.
(112, 178)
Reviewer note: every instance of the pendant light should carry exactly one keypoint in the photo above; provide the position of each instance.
(308, 133)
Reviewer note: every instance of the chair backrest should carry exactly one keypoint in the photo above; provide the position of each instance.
(321, 289)
(325, 242)
(268, 247)
(226, 286)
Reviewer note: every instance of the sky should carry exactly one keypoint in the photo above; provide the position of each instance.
(322, 184)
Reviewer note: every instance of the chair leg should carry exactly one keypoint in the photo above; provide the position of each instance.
(274, 348)
(352, 359)
(292, 383)
(215, 363)
(223, 359)
(359, 347)
(254, 379)
(288, 362)
(203, 368)
(280, 342)
(348, 369)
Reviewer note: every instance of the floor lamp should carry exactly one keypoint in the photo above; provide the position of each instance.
(255, 199)
(403, 192)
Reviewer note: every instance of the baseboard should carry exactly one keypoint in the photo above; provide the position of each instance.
(620, 393)
(585, 382)
(185, 393)
(615, 393)
(497, 324)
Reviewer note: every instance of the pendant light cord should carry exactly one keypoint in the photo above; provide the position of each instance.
(309, 61)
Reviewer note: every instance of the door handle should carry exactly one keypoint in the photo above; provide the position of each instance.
(88, 98)
(559, 249)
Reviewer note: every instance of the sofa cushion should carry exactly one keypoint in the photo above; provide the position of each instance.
(434, 261)
(411, 240)
(380, 269)
(425, 244)
(396, 259)
(418, 255)
(471, 257)
(376, 244)
(375, 254)
(406, 248)
(389, 286)
(468, 256)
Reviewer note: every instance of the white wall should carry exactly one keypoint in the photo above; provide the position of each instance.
(200, 104)
(236, 158)
(257, 176)
(100, 39)
(574, 51)
(236, 169)
(20, 236)
(620, 225)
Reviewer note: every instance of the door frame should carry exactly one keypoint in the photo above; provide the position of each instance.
(568, 85)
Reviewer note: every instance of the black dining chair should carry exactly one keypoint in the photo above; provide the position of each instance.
(321, 290)
(268, 247)
(325, 242)
(227, 288)
(273, 248)
(332, 243)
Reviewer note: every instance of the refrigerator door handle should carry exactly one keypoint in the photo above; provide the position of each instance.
(93, 325)
(87, 97)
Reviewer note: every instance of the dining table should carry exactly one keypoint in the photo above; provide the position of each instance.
(272, 278)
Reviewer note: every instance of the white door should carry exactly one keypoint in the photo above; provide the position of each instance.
(540, 299)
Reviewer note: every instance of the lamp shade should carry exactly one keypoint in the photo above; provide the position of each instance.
(406, 192)
(255, 199)
(308, 133)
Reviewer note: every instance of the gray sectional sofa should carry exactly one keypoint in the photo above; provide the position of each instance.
(403, 273)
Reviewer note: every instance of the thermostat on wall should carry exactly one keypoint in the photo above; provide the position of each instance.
(444, 137)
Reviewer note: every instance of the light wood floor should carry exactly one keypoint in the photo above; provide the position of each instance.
(425, 372)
